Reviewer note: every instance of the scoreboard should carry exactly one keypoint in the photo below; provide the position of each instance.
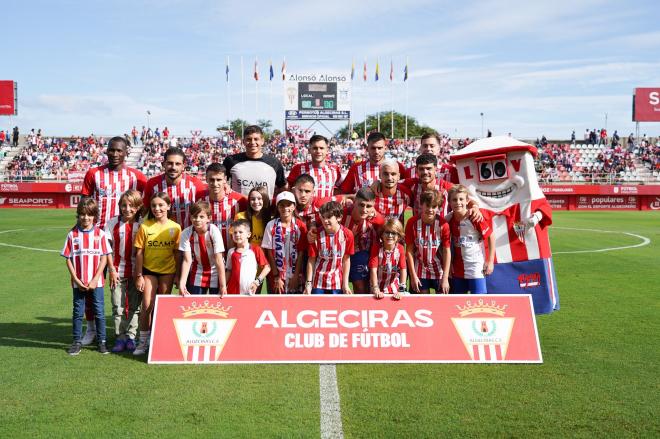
(317, 97)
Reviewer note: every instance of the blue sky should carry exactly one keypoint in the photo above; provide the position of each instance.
(531, 67)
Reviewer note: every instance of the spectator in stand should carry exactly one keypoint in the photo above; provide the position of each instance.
(326, 176)
(14, 138)
(253, 168)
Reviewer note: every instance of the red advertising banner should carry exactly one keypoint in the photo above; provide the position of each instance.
(8, 98)
(65, 187)
(607, 202)
(558, 202)
(344, 329)
(646, 105)
(44, 200)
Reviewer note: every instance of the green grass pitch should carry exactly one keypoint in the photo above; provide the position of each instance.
(600, 376)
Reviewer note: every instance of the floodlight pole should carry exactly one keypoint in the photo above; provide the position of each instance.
(482, 124)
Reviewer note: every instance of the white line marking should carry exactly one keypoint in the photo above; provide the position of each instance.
(645, 241)
(331, 427)
(30, 248)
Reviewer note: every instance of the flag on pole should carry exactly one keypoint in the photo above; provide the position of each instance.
(352, 69)
(405, 72)
(271, 74)
(391, 70)
(227, 70)
(284, 69)
(256, 72)
(377, 71)
(365, 71)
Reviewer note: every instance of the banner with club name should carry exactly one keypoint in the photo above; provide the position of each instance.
(344, 329)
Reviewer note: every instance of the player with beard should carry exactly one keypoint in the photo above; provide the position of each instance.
(183, 189)
(364, 173)
(326, 175)
(431, 144)
(392, 199)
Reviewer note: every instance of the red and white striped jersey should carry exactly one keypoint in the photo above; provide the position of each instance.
(416, 191)
(188, 190)
(243, 267)
(285, 245)
(468, 246)
(393, 206)
(426, 241)
(203, 248)
(361, 175)
(122, 235)
(223, 212)
(389, 264)
(444, 171)
(310, 214)
(107, 186)
(85, 248)
(325, 177)
(533, 244)
(365, 231)
(329, 249)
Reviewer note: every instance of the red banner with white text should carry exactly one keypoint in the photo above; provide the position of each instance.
(344, 329)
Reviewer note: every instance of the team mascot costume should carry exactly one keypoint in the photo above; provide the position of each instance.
(499, 173)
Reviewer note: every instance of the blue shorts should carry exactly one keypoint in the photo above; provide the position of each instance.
(474, 286)
(359, 268)
(323, 291)
(427, 284)
(192, 289)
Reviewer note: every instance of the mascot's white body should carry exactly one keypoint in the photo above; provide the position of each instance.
(499, 173)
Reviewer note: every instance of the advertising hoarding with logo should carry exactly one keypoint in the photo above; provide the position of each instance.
(8, 98)
(344, 329)
(317, 96)
(646, 105)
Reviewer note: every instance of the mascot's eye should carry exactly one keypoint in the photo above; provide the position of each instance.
(500, 169)
(485, 171)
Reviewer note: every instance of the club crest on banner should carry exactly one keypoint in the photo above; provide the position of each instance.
(486, 333)
(203, 331)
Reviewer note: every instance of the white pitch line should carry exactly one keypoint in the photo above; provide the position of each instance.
(645, 241)
(29, 248)
(331, 427)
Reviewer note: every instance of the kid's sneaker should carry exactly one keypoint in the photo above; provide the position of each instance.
(141, 348)
(120, 346)
(75, 348)
(130, 345)
(103, 348)
(88, 338)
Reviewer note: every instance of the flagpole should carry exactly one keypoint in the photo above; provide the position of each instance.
(392, 96)
(242, 98)
(406, 134)
(378, 92)
(270, 93)
(364, 105)
(228, 93)
(256, 89)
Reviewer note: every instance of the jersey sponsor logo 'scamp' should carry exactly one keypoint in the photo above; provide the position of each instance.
(203, 331)
(486, 338)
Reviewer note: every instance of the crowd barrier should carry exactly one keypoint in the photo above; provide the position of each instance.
(560, 197)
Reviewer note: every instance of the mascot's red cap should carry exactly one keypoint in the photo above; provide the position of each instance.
(492, 145)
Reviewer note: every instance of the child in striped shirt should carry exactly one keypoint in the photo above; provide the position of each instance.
(85, 250)
(126, 299)
(427, 246)
(202, 266)
(329, 261)
(387, 261)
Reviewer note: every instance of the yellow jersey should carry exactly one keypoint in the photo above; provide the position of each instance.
(160, 243)
(258, 228)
